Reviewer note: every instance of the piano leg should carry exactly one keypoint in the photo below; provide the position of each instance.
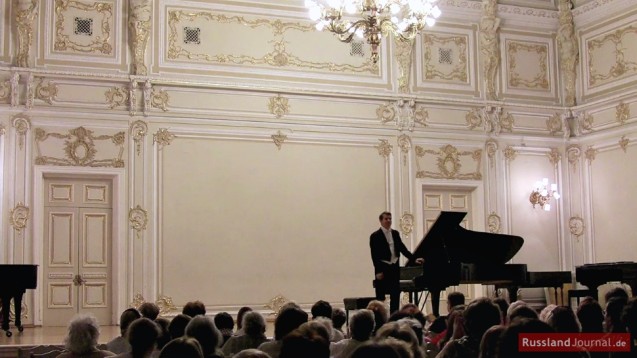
(17, 303)
(435, 301)
(513, 293)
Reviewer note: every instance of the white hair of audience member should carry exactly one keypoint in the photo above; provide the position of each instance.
(328, 325)
(361, 325)
(251, 353)
(83, 334)
(317, 327)
(515, 305)
(546, 312)
(253, 324)
(203, 329)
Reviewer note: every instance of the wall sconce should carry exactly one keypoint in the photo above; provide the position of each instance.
(541, 195)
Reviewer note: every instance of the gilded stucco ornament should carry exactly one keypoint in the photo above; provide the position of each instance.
(148, 97)
(276, 303)
(404, 143)
(554, 124)
(449, 163)
(18, 217)
(159, 99)
(79, 148)
(404, 50)
(623, 143)
(585, 121)
(494, 223)
(25, 12)
(163, 137)
(384, 148)
(138, 299)
(554, 156)
(279, 106)
(165, 305)
(30, 91)
(622, 112)
(491, 147)
(539, 80)
(590, 154)
(406, 223)
(138, 218)
(490, 46)
(576, 226)
(46, 91)
(21, 123)
(139, 23)
(573, 153)
(116, 96)
(132, 98)
(138, 131)
(15, 94)
(5, 90)
(2, 130)
(614, 43)
(474, 118)
(386, 112)
(278, 139)
(568, 46)
(100, 42)
(457, 44)
(510, 153)
(405, 112)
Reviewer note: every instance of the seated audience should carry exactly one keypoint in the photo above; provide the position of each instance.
(310, 340)
(375, 350)
(203, 329)
(142, 336)
(149, 310)
(361, 326)
(563, 320)
(81, 340)
(504, 306)
(194, 308)
(242, 311)
(338, 319)
(401, 331)
(251, 353)
(225, 324)
(489, 342)
(508, 342)
(287, 320)
(629, 318)
(253, 335)
(324, 309)
(178, 325)
(612, 320)
(381, 313)
(545, 313)
(182, 347)
(164, 333)
(590, 315)
(521, 311)
(119, 344)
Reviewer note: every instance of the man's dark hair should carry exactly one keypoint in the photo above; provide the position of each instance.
(338, 318)
(380, 217)
(149, 310)
(287, 321)
(223, 320)
(194, 308)
(455, 299)
(322, 309)
(126, 318)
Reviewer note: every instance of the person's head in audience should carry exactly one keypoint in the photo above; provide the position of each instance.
(454, 299)
(288, 320)
(504, 306)
(381, 313)
(225, 324)
(194, 308)
(126, 318)
(310, 340)
(164, 334)
(563, 320)
(612, 319)
(615, 292)
(375, 350)
(338, 318)
(629, 316)
(522, 311)
(289, 304)
(480, 315)
(327, 323)
(545, 313)
(455, 325)
(251, 353)
(83, 333)
(590, 315)
(253, 324)
(178, 324)
(410, 310)
(402, 332)
(182, 347)
(361, 325)
(321, 309)
(142, 336)
(489, 341)
(203, 329)
(149, 310)
(508, 345)
(242, 311)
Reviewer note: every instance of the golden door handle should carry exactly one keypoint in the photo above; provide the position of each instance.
(78, 280)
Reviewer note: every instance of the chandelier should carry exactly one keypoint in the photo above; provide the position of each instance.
(541, 195)
(403, 18)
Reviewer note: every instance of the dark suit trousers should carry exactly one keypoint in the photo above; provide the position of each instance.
(390, 284)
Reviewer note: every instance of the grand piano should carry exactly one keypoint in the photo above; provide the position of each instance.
(595, 275)
(14, 281)
(455, 255)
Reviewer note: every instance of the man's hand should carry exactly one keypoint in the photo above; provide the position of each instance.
(380, 276)
(420, 261)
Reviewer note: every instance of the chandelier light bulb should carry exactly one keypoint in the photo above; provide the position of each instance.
(435, 12)
(315, 13)
(350, 8)
(556, 196)
(430, 21)
(547, 207)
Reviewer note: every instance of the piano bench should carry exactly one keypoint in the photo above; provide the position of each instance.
(355, 303)
(579, 294)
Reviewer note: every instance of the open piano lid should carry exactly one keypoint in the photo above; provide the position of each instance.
(447, 242)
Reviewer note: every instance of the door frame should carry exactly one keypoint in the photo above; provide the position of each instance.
(119, 249)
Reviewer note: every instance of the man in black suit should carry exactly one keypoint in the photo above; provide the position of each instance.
(386, 247)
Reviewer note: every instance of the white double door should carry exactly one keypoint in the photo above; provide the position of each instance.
(77, 250)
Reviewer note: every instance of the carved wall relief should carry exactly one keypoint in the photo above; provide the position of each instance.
(601, 70)
(81, 35)
(278, 139)
(449, 163)
(279, 106)
(490, 46)
(26, 11)
(520, 76)
(139, 26)
(568, 50)
(79, 147)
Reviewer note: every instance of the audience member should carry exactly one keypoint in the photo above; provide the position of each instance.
(590, 315)
(338, 319)
(178, 325)
(324, 309)
(149, 310)
(375, 350)
(182, 347)
(119, 344)
(563, 320)
(242, 311)
(287, 321)
(403, 332)
(504, 306)
(521, 311)
(612, 320)
(489, 342)
(254, 334)
(251, 353)
(206, 333)
(629, 318)
(381, 314)
(142, 336)
(164, 333)
(545, 313)
(310, 340)
(615, 292)
(225, 324)
(508, 342)
(81, 340)
(361, 326)
(194, 308)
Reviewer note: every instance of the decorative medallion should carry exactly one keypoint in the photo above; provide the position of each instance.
(493, 222)
(46, 91)
(510, 153)
(406, 223)
(138, 130)
(116, 96)
(2, 130)
(5, 90)
(22, 124)
(554, 156)
(622, 112)
(159, 99)
(79, 148)
(138, 218)
(404, 143)
(491, 147)
(278, 139)
(163, 137)
(554, 124)
(386, 112)
(18, 217)
(448, 163)
(586, 122)
(576, 226)
(384, 148)
(474, 118)
(279, 106)
(138, 299)
(573, 153)
(590, 154)
(165, 305)
(623, 143)
(276, 303)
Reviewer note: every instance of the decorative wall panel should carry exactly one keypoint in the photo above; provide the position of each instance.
(5, 40)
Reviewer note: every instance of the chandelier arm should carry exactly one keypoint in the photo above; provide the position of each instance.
(346, 33)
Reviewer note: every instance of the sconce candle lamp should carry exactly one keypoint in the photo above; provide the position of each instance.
(541, 194)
